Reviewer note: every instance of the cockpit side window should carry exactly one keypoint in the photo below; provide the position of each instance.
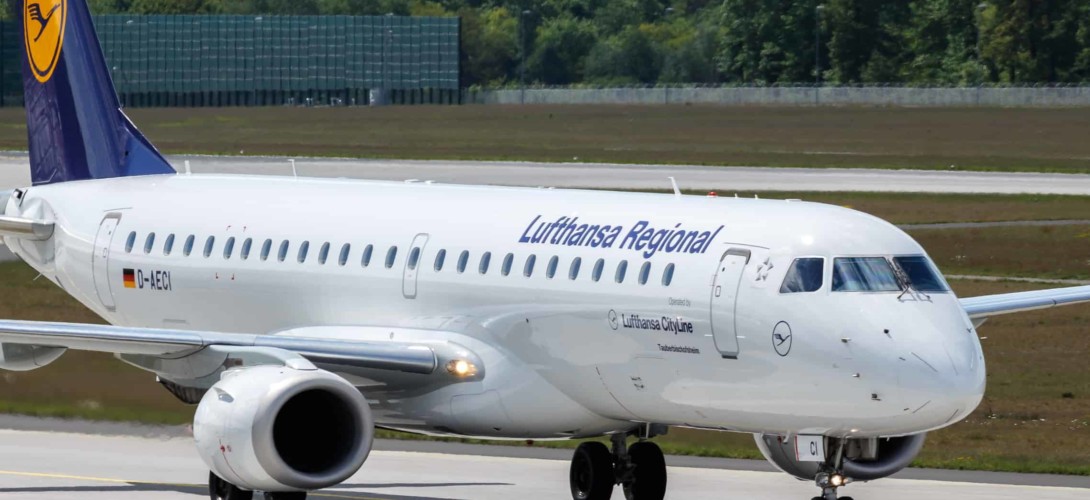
(864, 274)
(805, 275)
(921, 273)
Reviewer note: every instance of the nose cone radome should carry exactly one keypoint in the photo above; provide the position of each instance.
(945, 376)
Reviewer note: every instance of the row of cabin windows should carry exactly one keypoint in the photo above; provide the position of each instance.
(550, 269)
(461, 265)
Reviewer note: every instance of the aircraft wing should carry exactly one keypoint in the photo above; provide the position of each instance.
(176, 344)
(987, 306)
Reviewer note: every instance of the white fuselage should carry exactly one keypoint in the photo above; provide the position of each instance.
(565, 357)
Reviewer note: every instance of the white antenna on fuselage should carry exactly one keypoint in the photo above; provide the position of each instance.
(187, 170)
(673, 182)
(293, 172)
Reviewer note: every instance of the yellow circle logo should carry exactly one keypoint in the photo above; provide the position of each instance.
(43, 29)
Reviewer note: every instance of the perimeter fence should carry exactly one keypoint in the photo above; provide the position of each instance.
(795, 95)
(191, 60)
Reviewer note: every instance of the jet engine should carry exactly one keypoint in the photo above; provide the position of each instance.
(283, 428)
(864, 459)
(23, 358)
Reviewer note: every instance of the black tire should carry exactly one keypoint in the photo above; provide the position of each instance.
(218, 489)
(295, 495)
(846, 498)
(591, 476)
(649, 475)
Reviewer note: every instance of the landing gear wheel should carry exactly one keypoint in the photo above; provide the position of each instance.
(649, 473)
(591, 473)
(295, 495)
(218, 489)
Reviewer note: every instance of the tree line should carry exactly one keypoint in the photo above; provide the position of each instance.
(761, 42)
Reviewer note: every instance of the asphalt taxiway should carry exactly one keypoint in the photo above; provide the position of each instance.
(14, 171)
(117, 461)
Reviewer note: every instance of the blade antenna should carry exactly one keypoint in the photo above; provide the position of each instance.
(673, 182)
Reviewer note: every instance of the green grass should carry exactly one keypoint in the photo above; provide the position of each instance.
(1007, 139)
(1025, 424)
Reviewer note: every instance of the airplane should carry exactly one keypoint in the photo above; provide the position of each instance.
(300, 314)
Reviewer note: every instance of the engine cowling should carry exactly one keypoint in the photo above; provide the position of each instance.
(865, 459)
(283, 428)
(23, 358)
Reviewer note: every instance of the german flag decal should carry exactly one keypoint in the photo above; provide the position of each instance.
(130, 278)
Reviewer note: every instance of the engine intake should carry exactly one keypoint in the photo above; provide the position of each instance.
(278, 428)
(865, 459)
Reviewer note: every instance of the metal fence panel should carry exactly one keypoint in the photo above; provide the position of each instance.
(228, 60)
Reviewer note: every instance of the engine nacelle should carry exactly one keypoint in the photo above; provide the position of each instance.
(283, 428)
(865, 459)
(23, 358)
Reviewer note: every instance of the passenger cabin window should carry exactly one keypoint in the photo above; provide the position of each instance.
(921, 273)
(323, 253)
(149, 242)
(463, 261)
(391, 255)
(573, 271)
(247, 244)
(622, 268)
(864, 274)
(282, 254)
(645, 272)
(303, 249)
(209, 244)
(168, 246)
(486, 259)
(550, 271)
(668, 274)
(414, 258)
(528, 269)
(345, 250)
(229, 247)
(365, 260)
(129, 243)
(188, 247)
(266, 249)
(806, 274)
(440, 258)
(599, 267)
(508, 261)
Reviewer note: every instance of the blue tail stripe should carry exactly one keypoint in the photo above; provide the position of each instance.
(75, 127)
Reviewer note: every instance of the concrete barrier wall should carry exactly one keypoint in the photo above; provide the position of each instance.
(795, 96)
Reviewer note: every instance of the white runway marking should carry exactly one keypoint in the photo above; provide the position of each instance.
(14, 172)
(56, 466)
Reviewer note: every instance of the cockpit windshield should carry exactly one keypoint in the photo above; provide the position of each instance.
(864, 274)
(921, 273)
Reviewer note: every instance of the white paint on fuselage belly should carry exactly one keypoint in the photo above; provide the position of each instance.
(554, 330)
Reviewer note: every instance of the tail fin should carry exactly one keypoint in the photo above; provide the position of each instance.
(75, 127)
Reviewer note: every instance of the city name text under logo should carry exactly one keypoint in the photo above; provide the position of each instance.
(641, 236)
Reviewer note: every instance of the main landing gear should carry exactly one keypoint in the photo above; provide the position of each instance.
(218, 489)
(640, 469)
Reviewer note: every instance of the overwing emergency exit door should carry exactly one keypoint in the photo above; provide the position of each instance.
(412, 265)
(100, 261)
(724, 301)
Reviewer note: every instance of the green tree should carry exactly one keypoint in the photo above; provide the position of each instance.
(560, 47)
(489, 46)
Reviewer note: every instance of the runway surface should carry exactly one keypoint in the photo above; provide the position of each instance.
(116, 461)
(14, 172)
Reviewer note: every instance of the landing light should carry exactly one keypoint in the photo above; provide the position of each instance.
(461, 368)
(836, 480)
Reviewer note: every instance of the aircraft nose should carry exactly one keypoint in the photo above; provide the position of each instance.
(946, 379)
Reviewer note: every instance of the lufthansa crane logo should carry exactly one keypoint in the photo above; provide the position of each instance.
(782, 338)
(43, 32)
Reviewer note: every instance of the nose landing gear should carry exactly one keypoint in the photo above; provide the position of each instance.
(829, 482)
(218, 489)
(640, 469)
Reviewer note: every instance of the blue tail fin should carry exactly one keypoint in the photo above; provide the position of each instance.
(75, 127)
